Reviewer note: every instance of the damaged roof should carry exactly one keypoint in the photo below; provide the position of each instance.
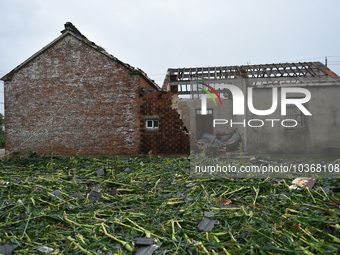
(70, 29)
(255, 75)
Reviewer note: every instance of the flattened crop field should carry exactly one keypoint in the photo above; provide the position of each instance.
(82, 205)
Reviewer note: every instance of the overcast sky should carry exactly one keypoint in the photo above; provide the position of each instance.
(155, 35)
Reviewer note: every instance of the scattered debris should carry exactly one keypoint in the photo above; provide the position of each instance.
(146, 250)
(277, 196)
(7, 248)
(38, 189)
(94, 196)
(206, 225)
(332, 232)
(127, 170)
(220, 142)
(145, 241)
(117, 247)
(209, 214)
(303, 182)
(128, 212)
(113, 191)
(100, 171)
(45, 249)
(188, 199)
(95, 188)
(55, 194)
(147, 246)
(180, 194)
(77, 196)
(229, 202)
(191, 184)
(80, 180)
(335, 189)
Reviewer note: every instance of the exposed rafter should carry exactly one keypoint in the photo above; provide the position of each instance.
(253, 75)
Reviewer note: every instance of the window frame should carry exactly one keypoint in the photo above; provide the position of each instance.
(153, 120)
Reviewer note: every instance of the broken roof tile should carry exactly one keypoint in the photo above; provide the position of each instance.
(7, 248)
(147, 250)
(145, 241)
(94, 196)
(206, 225)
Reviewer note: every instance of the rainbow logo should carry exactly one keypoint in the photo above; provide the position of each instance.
(208, 92)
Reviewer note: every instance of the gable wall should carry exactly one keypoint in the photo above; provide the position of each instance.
(74, 99)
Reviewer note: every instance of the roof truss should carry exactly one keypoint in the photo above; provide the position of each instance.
(255, 75)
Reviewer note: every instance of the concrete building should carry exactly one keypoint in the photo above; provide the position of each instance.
(74, 97)
(292, 132)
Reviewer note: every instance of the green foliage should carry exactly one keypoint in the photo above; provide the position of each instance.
(2, 133)
(149, 198)
(2, 139)
(2, 119)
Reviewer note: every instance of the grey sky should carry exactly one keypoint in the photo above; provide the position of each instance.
(154, 35)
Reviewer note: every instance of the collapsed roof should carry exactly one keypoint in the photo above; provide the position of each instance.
(253, 75)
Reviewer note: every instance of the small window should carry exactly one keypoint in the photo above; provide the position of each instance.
(152, 122)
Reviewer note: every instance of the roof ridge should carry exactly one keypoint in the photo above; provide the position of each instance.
(70, 27)
(72, 30)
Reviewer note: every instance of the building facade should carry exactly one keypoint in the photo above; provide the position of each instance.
(73, 97)
(291, 132)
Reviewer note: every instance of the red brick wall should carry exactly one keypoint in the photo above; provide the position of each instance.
(169, 139)
(75, 99)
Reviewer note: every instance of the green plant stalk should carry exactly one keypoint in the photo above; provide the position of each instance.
(79, 246)
(231, 192)
(155, 186)
(128, 226)
(226, 252)
(147, 232)
(75, 223)
(257, 190)
(29, 217)
(7, 223)
(233, 238)
(173, 237)
(322, 209)
(200, 244)
(310, 193)
(126, 245)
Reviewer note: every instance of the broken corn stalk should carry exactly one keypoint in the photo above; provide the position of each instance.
(78, 245)
(126, 245)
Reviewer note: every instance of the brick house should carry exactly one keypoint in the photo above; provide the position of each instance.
(73, 97)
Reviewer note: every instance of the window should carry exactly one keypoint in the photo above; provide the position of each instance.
(294, 113)
(152, 122)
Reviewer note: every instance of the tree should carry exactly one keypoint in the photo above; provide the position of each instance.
(2, 119)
